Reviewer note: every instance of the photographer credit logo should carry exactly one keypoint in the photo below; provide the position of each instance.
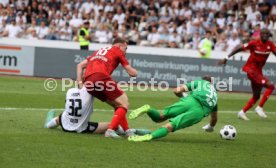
(51, 84)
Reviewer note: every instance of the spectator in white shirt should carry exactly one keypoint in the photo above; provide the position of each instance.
(175, 40)
(32, 27)
(153, 38)
(3, 14)
(258, 21)
(216, 5)
(165, 18)
(12, 30)
(172, 27)
(76, 21)
(4, 2)
(42, 31)
(252, 12)
(108, 7)
(194, 42)
(162, 25)
(102, 35)
(164, 9)
(119, 16)
(59, 21)
(233, 42)
(221, 20)
(68, 5)
(20, 16)
(271, 24)
(133, 35)
(229, 30)
(221, 44)
(78, 5)
(97, 7)
(204, 4)
(174, 10)
(273, 10)
(66, 33)
(185, 11)
(32, 35)
(152, 17)
(87, 6)
(242, 25)
(164, 38)
(182, 30)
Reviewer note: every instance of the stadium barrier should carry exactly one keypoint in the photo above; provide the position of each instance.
(17, 60)
(173, 66)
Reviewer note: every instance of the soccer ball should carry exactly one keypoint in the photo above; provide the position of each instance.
(228, 132)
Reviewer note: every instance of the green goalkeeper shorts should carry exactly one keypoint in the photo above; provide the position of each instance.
(186, 112)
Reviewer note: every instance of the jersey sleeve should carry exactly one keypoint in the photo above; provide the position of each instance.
(123, 60)
(248, 46)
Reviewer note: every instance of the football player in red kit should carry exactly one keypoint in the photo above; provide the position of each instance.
(97, 79)
(259, 52)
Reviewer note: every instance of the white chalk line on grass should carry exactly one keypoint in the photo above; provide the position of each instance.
(59, 109)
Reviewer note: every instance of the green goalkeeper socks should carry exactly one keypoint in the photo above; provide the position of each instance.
(154, 114)
(159, 133)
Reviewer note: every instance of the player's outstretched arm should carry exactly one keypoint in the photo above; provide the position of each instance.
(214, 118)
(234, 51)
(131, 71)
(179, 90)
(80, 68)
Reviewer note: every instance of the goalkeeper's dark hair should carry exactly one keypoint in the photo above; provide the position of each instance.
(207, 78)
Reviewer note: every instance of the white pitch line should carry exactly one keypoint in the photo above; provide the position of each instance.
(59, 109)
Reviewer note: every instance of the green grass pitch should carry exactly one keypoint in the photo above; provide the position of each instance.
(25, 143)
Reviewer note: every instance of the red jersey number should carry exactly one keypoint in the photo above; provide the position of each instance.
(102, 51)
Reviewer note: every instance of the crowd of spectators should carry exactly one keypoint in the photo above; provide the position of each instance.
(159, 23)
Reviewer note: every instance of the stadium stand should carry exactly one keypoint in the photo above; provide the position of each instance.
(174, 24)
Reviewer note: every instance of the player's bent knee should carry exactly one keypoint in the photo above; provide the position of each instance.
(169, 127)
(125, 105)
(122, 101)
(122, 104)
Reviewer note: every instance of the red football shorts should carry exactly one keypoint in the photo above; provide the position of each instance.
(102, 87)
(257, 77)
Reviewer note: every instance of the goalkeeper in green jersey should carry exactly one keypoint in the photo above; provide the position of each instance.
(188, 111)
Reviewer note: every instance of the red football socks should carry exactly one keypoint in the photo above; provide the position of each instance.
(124, 123)
(267, 93)
(119, 115)
(250, 103)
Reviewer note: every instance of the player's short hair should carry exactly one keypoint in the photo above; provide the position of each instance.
(119, 40)
(207, 78)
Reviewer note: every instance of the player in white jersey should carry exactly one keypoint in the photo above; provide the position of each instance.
(75, 117)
